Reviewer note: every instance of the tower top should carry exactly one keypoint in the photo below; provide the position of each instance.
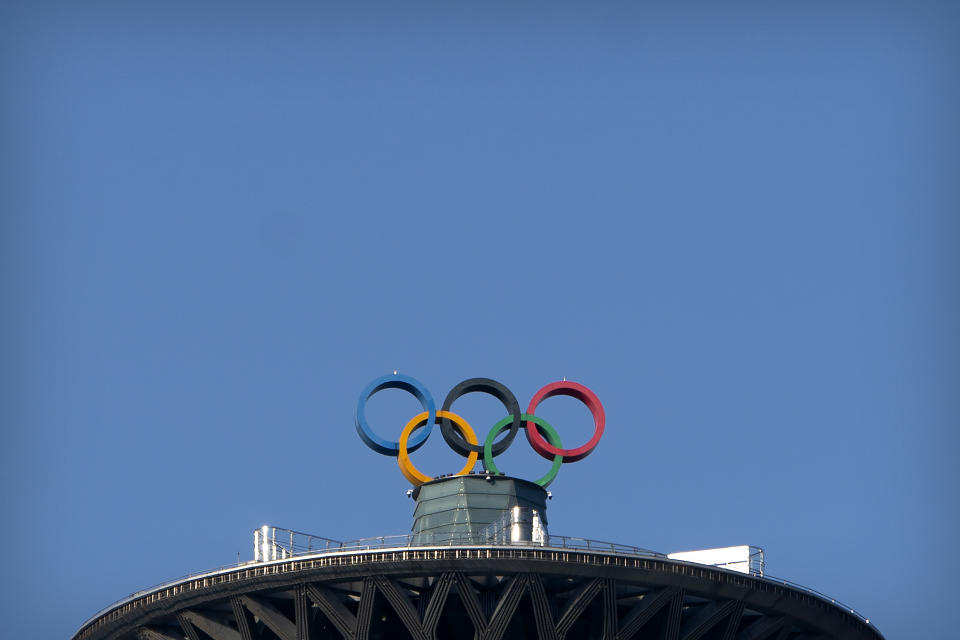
(479, 509)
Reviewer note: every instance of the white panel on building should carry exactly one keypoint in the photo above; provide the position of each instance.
(743, 558)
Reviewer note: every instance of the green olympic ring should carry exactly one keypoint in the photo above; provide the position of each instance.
(552, 436)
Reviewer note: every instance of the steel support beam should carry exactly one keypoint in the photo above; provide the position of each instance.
(610, 621)
(271, 616)
(506, 607)
(334, 609)
(365, 610)
(733, 622)
(471, 603)
(584, 595)
(187, 627)
(424, 628)
(438, 598)
(673, 617)
(643, 611)
(546, 630)
(401, 605)
(502, 612)
(302, 613)
(243, 620)
(216, 629)
(710, 615)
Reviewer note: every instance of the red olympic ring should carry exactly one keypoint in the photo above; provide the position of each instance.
(584, 395)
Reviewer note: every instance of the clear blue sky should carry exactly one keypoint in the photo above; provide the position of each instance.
(739, 226)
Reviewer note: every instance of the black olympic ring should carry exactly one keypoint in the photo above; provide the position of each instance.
(498, 391)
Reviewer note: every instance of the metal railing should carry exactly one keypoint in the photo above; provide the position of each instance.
(813, 592)
(285, 543)
(268, 546)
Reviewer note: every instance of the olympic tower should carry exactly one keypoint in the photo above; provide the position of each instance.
(478, 563)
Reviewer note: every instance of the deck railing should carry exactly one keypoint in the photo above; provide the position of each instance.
(275, 543)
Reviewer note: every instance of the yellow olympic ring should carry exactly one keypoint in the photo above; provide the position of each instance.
(409, 471)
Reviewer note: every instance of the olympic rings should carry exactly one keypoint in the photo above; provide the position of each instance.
(552, 435)
(396, 381)
(460, 436)
(497, 390)
(409, 471)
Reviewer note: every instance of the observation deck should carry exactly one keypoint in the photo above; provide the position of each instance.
(409, 586)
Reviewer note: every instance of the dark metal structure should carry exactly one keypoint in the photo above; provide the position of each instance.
(483, 593)
(425, 587)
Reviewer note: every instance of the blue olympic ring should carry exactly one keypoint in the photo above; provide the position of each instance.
(395, 381)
